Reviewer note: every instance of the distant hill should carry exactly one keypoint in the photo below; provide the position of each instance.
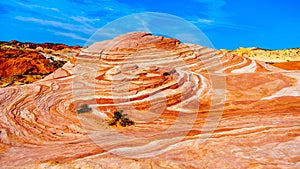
(283, 55)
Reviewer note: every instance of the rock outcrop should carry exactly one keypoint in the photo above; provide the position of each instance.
(192, 107)
(271, 56)
(23, 63)
(30, 45)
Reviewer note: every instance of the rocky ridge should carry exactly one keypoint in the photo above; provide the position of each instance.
(23, 63)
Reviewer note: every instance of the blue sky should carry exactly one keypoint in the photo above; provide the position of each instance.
(272, 24)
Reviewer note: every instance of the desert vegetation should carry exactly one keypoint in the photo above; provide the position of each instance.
(120, 119)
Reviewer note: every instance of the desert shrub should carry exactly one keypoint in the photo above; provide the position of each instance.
(84, 108)
(58, 63)
(120, 119)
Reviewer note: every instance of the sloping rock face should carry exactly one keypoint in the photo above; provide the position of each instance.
(23, 63)
(16, 62)
(193, 107)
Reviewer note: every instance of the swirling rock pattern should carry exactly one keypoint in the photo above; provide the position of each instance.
(193, 107)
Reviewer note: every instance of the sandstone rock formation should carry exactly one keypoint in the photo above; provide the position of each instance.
(193, 107)
(30, 45)
(283, 55)
(22, 63)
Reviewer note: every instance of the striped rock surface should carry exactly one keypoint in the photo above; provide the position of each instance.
(193, 107)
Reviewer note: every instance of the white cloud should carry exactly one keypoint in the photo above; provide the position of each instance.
(201, 23)
(76, 19)
(206, 21)
(83, 19)
(66, 26)
(215, 16)
(71, 35)
(214, 9)
(37, 6)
